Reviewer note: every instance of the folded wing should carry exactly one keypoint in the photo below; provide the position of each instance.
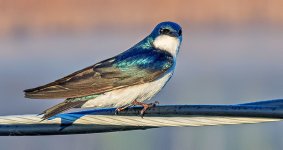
(121, 71)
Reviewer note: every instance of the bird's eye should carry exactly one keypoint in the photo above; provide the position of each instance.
(180, 32)
(164, 31)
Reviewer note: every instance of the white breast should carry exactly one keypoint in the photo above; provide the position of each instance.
(167, 43)
(126, 96)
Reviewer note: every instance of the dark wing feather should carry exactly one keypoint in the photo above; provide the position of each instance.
(121, 71)
(61, 107)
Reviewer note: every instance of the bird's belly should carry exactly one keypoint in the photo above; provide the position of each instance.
(125, 96)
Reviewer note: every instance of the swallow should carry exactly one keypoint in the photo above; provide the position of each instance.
(127, 79)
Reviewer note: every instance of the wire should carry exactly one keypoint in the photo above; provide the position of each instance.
(105, 120)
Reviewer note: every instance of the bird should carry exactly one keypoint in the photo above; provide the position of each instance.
(127, 79)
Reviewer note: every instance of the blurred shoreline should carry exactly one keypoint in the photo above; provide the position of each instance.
(65, 16)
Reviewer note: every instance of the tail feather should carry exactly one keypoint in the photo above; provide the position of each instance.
(61, 107)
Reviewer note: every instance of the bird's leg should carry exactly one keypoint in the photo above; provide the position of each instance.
(119, 109)
(145, 106)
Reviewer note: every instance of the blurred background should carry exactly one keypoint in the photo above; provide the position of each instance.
(231, 53)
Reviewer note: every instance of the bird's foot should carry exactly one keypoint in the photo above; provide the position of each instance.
(145, 106)
(120, 109)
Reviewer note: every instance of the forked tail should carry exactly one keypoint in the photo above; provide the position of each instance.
(61, 107)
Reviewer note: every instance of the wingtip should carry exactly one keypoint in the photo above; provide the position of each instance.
(27, 94)
(31, 95)
(34, 94)
(30, 90)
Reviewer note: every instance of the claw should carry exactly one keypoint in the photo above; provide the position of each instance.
(120, 109)
(116, 111)
(145, 106)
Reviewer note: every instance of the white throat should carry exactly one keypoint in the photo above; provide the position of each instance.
(167, 43)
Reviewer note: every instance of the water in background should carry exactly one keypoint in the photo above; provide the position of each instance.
(213, 67)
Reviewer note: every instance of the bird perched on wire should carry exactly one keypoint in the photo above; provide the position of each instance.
(124, 80)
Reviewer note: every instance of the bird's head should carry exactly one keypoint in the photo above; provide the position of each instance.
(167, 36)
